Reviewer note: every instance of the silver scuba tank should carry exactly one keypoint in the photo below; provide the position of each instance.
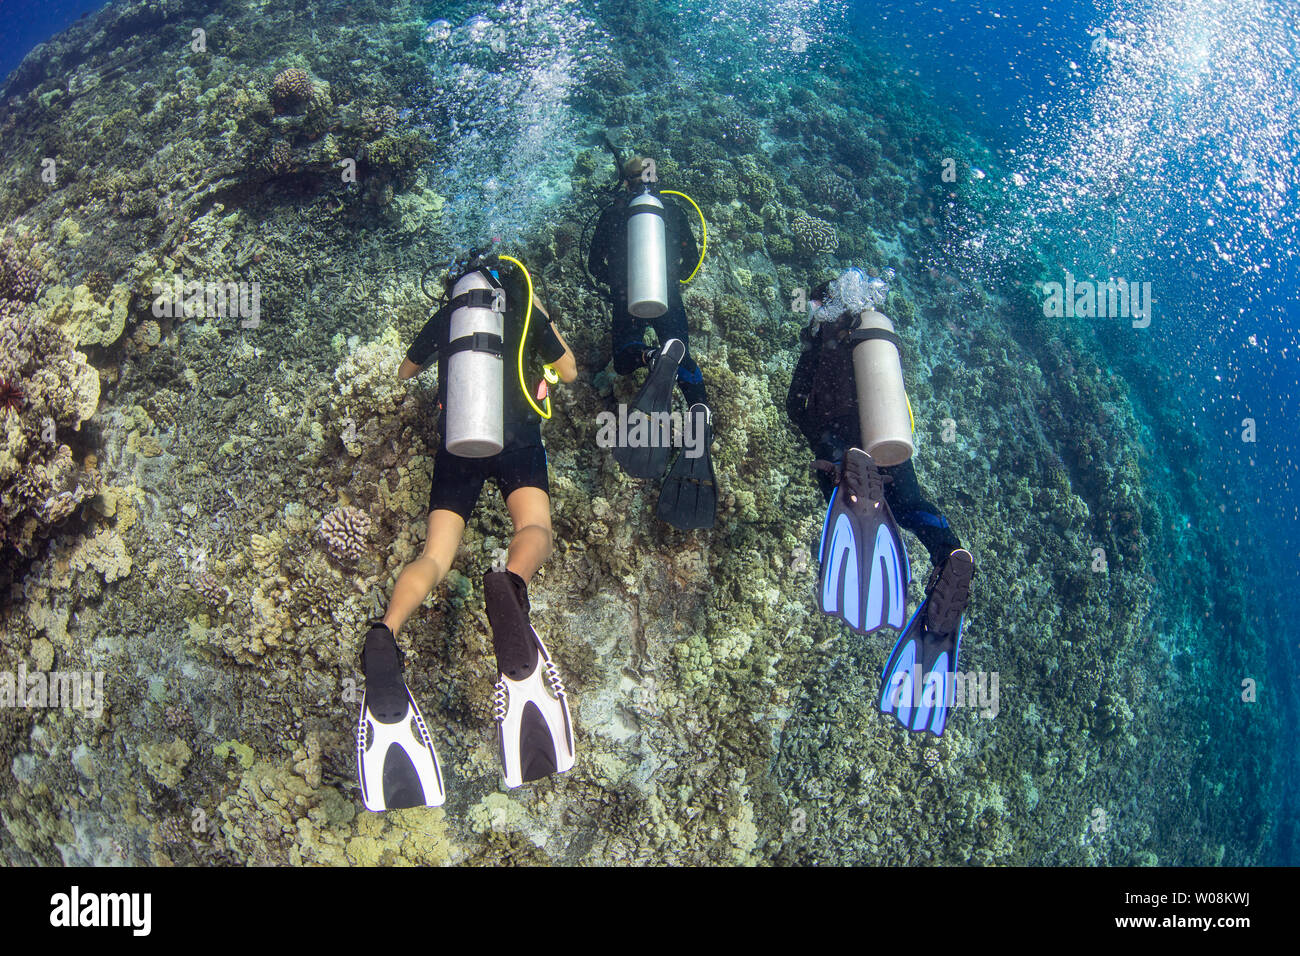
(883, 411)
(473, 420)
(647, 258)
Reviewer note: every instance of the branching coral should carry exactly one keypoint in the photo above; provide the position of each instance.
(20, 279)
(345, 530)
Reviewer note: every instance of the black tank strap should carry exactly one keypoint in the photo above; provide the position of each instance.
(478, 342)
(473, 299)
(644, 208)
(868, 335)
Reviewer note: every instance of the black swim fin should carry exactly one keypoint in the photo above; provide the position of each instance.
(688, 499)
(396, 763)
(650, 415)
(864, 567)
(918, 684)
(531, 708)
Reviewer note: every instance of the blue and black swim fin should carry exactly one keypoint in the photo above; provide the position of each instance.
(864, 569)
(918, 685)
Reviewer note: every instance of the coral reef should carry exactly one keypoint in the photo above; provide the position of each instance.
(345, 530)
(814, 235)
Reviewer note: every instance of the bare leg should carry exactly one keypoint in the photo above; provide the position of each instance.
(530, 510)
(421, 576)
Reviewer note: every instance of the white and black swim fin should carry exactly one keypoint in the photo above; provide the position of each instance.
(396, 762)
(531, 710)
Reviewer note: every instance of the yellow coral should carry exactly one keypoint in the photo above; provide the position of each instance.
(87, 321)
(265, 549)
(166, 762)
(105, 553)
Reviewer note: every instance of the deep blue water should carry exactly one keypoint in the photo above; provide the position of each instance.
(1019, 74)
(1201, 200)
(28, 23)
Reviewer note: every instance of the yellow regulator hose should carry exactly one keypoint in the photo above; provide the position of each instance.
(549, 371)
(703, 226)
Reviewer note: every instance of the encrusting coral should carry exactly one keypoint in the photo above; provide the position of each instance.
(51, 391)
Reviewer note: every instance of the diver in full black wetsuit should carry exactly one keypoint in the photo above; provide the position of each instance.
(823, 404)
(688, 499)
(917, 684)
(607, 262)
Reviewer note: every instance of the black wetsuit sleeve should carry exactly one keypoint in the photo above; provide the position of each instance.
(598, 257)
(801, 383)
(546, 343)
(426, 343)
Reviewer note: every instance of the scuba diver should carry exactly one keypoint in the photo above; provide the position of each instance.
(847, 398)
(486, 338)
(641, 250)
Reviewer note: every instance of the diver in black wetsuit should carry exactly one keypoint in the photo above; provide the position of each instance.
(823, 404)
(664, 251)
(862, 582)
(607, 262)
(490, 314)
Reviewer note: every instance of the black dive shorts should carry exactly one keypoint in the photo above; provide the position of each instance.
(457, 481)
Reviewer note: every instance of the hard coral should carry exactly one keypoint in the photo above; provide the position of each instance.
(280, 157)
(99, 284)
(344, 530)
(205, 583)
(291, 89)
(20, 280)
(815, 235)
(834, 189)
(737, 129)
(41, 483)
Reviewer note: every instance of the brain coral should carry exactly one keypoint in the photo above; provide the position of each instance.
(815, 235)
(291, 89)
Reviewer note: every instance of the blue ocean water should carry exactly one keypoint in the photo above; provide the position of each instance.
(1151, 140)
(1210, 203)
(27, 24)
(1159, 141)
